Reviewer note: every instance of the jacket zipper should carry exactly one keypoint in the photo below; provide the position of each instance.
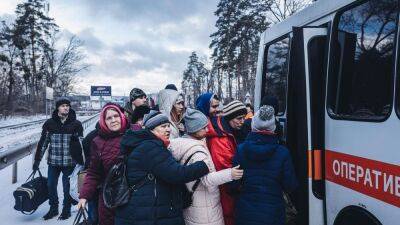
(155, 202)
(62, 146)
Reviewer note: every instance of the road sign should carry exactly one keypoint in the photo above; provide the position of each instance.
(100, 90)
(49, 93)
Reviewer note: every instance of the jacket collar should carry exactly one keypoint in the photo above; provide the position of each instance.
(71, 116)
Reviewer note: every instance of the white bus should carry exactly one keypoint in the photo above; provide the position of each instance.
(334, 69)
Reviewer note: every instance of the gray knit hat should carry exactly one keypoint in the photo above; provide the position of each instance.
(264, 119)
(154, 119)
(194, 121)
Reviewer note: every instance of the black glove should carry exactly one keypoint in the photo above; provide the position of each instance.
(35, 166)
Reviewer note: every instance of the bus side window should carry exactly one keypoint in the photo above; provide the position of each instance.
(361, 78)
(276, 71)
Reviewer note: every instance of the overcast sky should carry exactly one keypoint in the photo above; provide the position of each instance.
(133, 43)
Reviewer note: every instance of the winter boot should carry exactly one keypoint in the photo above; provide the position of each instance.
(51, 213)
(66, 212)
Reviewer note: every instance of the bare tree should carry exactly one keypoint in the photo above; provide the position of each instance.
(279, 10)
(63, 67)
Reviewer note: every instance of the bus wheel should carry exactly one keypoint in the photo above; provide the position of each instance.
(352, 215)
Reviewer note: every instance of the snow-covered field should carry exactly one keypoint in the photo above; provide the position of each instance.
(9, 216)
(13, 137)
(20, 119)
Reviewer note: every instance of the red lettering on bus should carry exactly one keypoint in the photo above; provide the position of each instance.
(370, 177)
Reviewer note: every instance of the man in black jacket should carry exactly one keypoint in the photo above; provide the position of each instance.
(60, 134)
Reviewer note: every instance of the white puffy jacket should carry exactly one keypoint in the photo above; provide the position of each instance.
(206, 208)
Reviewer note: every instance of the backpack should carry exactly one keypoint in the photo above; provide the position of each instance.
(30, 195)
(116, 190)
(187, 194)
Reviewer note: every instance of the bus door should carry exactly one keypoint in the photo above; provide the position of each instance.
(305, 119)
(362, 128)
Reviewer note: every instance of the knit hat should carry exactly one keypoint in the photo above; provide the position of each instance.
(264, 119)
(272, 101)
(62, 101)
(136, 93)
(234, 109)
(154, 119)
(194, 121)
(171, 86)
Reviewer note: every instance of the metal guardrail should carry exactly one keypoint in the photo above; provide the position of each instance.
(13, 155)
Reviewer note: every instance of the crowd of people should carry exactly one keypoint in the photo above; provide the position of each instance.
(230, 159)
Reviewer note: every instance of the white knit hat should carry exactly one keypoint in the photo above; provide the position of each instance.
(264, 119)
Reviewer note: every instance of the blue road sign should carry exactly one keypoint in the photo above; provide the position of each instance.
(100, 90)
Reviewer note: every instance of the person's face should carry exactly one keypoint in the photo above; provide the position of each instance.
(237, 122)
(63, 109)
(113, 120)
(200, 134)
(179, 107)
(139, 101)
(162, 130)
(213, 107)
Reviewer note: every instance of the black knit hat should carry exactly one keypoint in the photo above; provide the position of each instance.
(171, 86)
(136, 93)
(62, 101)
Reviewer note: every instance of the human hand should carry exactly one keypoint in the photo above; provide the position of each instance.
(236, 173)
(81, 203)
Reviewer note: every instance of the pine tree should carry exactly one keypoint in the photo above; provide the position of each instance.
(196, 79)
(33, 30)
(235, 44)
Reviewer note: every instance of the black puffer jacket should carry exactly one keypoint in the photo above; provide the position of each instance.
(159, 201)
(55, 130)
(87, 143)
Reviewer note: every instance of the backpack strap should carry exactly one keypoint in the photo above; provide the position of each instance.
(135, 187)
(197, 183)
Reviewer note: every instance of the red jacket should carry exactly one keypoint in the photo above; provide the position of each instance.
(104, 154)
(222, 146)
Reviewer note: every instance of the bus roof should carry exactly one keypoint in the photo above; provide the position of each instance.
(313, 12)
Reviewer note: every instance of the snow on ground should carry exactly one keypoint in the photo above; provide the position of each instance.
(8, 215)
(13, 137)
(20, 119)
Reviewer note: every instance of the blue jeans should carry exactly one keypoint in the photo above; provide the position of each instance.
(53, 174)
(93, 209)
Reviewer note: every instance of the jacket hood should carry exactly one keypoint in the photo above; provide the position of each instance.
(132, 139)
(218, 127)
(203, 103)
(166, 100)
(71, 116)
(260, 147)
(180, 146)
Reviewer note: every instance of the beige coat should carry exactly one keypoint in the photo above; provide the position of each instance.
(206, 208)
